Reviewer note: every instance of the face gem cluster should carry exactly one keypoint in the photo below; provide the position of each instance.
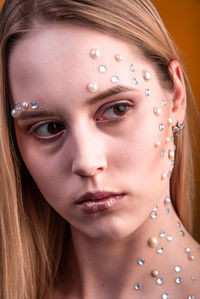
(153, 244)
(25, 106)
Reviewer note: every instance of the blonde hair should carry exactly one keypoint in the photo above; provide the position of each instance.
(31, 248)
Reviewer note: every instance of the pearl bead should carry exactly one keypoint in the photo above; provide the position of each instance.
(93, 87)
(167, 140)
(13, 112)
(191, 257)
(95, 53)
(152, 242)
(171, 154)
(25, 105)
(157, 144)
(118, 57)
(157, 111)
(154, 273)
(146, 76)
(163, 176)
(170, 121)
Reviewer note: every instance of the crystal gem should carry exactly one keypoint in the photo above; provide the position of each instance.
(162, 153)
(160, 281)
(138, 286)
(191, 297)
(162, 234)
(167, 211)
(34, 105)
(115, 79)
(171, 154)
(41, 108)
(169, 174)
(167, 200)
(170, 120)
(146, 76)
(18, 106)
(102, 69)
(159, 250)
(155, 208)
(169, 238)
(179, 280)
(141, 262)
(177, 269)
(165, 296)
(172, 162)
(193, 278)
(147, 92)
(187, 250)
(164, 103)
(135, 81)
(132, 67)
(178, 224)
(161, 127)
(153, 215)
(182, 233)
(95, 53)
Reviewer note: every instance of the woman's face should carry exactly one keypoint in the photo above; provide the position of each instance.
(90, 140)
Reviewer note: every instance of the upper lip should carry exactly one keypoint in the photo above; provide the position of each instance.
(89, 196)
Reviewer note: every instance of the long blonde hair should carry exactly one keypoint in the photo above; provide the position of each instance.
(31, 247)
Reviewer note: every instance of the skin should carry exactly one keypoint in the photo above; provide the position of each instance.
(96, 149)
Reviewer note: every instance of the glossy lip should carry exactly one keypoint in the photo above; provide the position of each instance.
(98, 202)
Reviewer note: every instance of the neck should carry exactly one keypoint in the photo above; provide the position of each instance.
(144, 259)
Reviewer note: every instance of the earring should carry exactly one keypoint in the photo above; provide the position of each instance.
(178, 128)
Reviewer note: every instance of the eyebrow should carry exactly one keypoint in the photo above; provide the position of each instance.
(108, 93)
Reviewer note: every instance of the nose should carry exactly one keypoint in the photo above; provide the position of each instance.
(89, 156)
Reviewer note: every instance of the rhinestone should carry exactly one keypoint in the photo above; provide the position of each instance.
(169, 238)
(172, 138)
(187, 250)
(178, 224)
(18, 106)
(155, 208)
(167, 140)
(179, 280)
(172, 162)
(193, 278)
(170, 154)
(102, 69)
(13, 112)
(182, 233)
(147, 92)
(167, 201)
(25, 105)
(141, 262)
(170, 121)
(93, 87)
(157, 111)
(177, 269)
(162, 153)
(41, 108)
(146, 76)
(132, 67)
(135, 81)
(34, 105)
(191, 257)
(118, 58)
(115, 79)
(165, 296)
(163, 176)
(167, 211)
(138, 286)
(164, 103)
(157, 144)
(95, 53)
(161, 127)
(154, 273)
(152, 242)
(159, 250)
(162, 234)
(169, 174)
(153, 215)
(160, 281)
(191, 297)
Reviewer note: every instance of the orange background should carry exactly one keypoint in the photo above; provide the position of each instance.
(182, 19)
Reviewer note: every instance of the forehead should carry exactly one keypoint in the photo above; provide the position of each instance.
(59, 55)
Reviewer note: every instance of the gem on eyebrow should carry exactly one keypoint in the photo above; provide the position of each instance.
(132, 67)
(95, 53)
(118, 57)
(102, 68)
(93, 87)
(25, 105)
(115, 79)
(146, 75)
(147, 92)
(18, 106)
(135, 81)
(34, 105)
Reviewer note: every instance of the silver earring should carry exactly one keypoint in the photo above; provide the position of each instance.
(178, 128)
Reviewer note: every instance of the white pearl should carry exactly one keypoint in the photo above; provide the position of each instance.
(154, 273)
(170, 121)
(146, 76)
(13, 112)
(157, 111)
(152, 242)
(25, 105)
(157, 144)
(167, 140)
(118, 57)
(95, 53)
(163, 176)
(171, 154)
(93, 87)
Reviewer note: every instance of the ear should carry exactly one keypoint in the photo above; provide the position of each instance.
(179, 93)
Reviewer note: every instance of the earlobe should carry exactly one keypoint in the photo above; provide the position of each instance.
(179, 93)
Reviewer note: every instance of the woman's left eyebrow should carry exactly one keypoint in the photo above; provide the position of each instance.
(23, 115)
(110, 92)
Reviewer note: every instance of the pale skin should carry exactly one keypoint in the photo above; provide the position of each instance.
(52, 66)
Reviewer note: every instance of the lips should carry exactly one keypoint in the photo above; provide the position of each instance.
(96, 196)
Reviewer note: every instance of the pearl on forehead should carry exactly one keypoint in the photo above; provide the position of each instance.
(95, 53)
(92, 87)
(146, 75)
(118, 57)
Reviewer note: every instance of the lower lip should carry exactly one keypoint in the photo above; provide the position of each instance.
(101, 205)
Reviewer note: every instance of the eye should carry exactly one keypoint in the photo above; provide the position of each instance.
(48, 129)
(115, 111)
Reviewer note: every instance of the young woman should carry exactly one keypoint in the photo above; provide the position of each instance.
(96, 180)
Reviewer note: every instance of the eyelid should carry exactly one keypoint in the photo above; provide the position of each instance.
(106, 106)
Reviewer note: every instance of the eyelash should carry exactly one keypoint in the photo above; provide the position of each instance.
(126, 106)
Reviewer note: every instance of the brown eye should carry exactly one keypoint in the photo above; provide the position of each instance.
(116, 111)
(49, 129)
